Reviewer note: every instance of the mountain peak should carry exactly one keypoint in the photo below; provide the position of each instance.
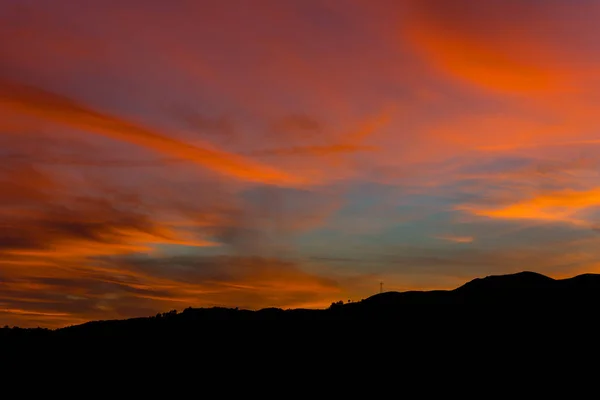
(519, 280)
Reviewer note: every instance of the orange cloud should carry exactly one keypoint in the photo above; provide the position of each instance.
(128, 288)
(481, 62)
(60, 227)
(495, 46)
(58, 109)
(456, 239)
(555, 206)
(57, 255)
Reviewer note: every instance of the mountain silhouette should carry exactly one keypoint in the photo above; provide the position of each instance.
(516, 319)
(490, 296)
(520, 308)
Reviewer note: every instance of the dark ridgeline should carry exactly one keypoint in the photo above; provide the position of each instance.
(498, 332)
(523, 298)
(527, 310)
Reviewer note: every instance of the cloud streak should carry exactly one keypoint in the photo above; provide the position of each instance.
(456, 239)
(35, 102)
(128, 287)
(553, 206)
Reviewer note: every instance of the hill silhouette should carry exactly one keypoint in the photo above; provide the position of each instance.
(525, 320)
(514, 298)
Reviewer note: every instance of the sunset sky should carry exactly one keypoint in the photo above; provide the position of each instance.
(156, 155)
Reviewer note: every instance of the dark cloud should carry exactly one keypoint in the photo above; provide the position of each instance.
(221, 269)
(202, 124)
(23, 183)
(121, 287)
(92, 161)
(79, 221)
(297, 123)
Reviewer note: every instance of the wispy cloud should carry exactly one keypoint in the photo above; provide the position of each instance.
(35, 102)
(456, 239)
(550, 206)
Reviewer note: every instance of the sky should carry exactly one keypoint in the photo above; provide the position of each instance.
(159, 155)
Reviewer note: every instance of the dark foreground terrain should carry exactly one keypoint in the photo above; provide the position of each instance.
(496, 327)
(524, 302)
